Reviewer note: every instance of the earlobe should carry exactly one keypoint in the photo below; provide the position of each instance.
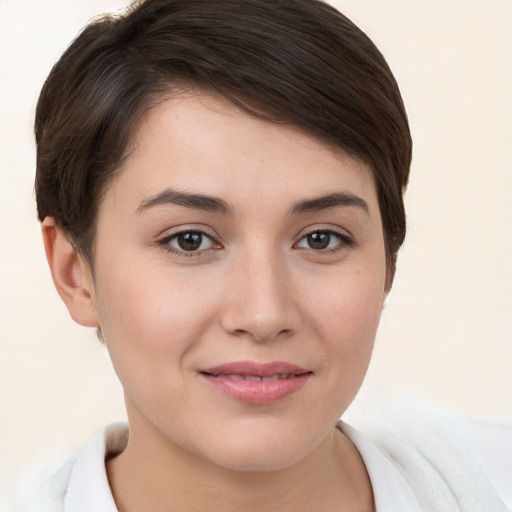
(71, 274)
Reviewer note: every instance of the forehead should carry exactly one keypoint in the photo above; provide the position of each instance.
(201, 141)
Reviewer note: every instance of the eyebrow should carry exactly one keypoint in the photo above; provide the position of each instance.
(216, 205)
(188, 200)
(330, 201)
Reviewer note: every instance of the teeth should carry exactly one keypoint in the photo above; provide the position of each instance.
(233, 377)
(255, 378)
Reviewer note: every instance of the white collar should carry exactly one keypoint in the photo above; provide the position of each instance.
(391, 492)
(89, 490)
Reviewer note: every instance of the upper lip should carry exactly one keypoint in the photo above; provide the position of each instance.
(255, 368)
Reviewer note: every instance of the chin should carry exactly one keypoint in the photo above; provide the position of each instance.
(260, 451)
(256, 461)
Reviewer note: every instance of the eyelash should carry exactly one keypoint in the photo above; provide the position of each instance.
(166, 241)
(344, 241)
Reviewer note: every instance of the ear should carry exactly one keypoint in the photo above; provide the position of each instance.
(71, 274)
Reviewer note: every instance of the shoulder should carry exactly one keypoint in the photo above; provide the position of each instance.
(69, 480)
(490, 444)
(44, 490)
(446, 458)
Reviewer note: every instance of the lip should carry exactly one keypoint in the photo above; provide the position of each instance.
(257, 383)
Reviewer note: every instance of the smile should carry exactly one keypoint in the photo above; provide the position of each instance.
(256, 378)
(255, 383)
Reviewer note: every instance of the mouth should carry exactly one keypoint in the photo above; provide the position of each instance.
(254, 378)
(256, 383)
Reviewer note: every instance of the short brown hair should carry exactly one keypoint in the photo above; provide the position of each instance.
(299, 62)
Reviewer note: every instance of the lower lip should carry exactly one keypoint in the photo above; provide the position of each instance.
(258, 392)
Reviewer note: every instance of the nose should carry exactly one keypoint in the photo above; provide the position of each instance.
(259, 303)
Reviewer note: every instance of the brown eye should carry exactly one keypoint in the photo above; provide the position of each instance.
(319, 240)
(190, 241)
(322, 240)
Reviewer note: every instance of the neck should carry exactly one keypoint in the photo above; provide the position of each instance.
(157, 475)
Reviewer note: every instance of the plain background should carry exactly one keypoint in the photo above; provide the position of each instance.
(446, 333)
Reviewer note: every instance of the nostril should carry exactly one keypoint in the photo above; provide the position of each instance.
(261, 316)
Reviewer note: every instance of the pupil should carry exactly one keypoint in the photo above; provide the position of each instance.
(319, 240)
(190, 241)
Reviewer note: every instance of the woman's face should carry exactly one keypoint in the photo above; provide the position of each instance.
(239, 281)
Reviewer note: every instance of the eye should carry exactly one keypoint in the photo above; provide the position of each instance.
(322, 240)
(188, 241)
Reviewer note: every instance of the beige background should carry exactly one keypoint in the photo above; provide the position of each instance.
(446, 335)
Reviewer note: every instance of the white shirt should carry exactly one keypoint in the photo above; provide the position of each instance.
(440, 463)
(89, 491)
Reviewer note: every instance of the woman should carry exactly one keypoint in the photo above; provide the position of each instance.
(220, 190)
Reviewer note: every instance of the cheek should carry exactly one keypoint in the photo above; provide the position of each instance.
(349, 301)
(153, 316)
(346, 313)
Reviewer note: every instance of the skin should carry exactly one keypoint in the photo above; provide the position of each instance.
(255, 290)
